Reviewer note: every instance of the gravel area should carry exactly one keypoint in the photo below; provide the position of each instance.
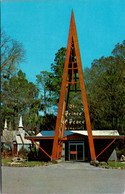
(62, 178)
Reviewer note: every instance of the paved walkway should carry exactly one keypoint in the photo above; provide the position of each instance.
(62, 178)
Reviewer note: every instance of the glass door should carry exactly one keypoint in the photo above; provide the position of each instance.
(76, 151)
(73, 152)
(80, 152)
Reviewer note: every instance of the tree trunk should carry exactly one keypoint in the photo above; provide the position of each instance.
(50, 100)
(44, 101)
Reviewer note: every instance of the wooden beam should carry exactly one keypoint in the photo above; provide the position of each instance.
(41, 149)
(105, 148)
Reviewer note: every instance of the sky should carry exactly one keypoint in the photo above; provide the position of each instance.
(43, 26)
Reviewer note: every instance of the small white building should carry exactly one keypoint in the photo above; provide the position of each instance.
(14, 139)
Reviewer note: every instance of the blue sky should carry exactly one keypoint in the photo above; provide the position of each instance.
(43, 26)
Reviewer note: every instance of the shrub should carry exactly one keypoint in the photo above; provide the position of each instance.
(24, 152)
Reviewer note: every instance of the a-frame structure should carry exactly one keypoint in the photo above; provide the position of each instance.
(72, 76)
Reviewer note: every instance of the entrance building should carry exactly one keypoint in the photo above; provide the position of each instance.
(73, 138)
(76, 146)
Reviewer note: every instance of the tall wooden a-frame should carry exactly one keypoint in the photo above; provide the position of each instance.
(72, 68)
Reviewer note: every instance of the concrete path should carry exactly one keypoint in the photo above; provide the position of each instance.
(62, 178)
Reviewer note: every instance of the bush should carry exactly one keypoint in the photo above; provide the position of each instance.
(24, 152)
(54, 162)
(120, 153)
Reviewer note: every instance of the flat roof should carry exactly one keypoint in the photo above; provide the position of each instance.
(52, 133)
(97, 134)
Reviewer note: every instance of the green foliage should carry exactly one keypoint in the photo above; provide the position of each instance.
(19, 97)
(23, 149)
(118, 164)
(4, 148)
(119, 50)
(104, 87)
(57, 68)
(50, 82)
(6, 162)
(48, 122)
(105, 91)
(24, 152)
(44, 81)
(54, 162)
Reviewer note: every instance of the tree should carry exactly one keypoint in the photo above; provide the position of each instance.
(44, 81)
(12, 54)
(119, 50)
(50, 82)
(105, 90)
(48, 122)
(18, 97)
(57, 69)
(8, 138)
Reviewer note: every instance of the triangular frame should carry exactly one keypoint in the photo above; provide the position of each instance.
(59, 130)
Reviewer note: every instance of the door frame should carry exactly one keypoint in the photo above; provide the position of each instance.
(77, 143)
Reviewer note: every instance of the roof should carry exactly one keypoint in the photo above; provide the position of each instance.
(81, 132)
(98, 132)
(21, 140)
(47, 133)
(18, 140)
(15, 135)
(8, 136)
(24, 141)
(52, 133)
(2, 139)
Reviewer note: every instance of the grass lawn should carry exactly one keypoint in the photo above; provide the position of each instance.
(5, 162)
(117, 164)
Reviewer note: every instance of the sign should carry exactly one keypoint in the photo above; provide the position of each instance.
(73, 118)
(73, 152)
